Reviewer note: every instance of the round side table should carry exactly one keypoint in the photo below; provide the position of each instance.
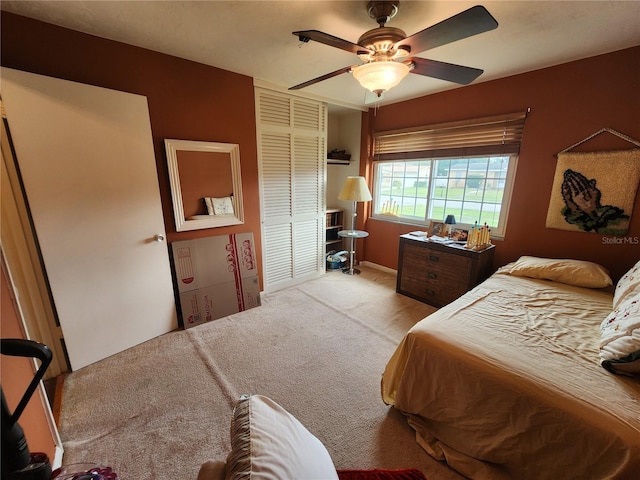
(352, 235)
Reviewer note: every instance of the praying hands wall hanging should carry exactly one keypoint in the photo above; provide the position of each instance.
(595, 191)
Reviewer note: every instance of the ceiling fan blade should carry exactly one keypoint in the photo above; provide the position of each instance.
(444, 71)
(323, 77)
(465, 24)
(321, 37)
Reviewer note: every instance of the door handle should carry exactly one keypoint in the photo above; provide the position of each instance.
(158, 238)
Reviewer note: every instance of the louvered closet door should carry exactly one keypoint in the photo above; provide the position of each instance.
(291, 149)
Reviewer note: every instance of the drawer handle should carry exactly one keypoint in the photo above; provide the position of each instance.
(434, 258)
(428, 291)
(432, 275)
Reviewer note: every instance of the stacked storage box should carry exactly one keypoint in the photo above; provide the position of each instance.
(216, 276)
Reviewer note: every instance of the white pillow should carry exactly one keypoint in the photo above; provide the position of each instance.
(269, 443)
(572, 272)
(620, 338)
(219, 206)
(222, 206)
(627, 286)
(207, 202)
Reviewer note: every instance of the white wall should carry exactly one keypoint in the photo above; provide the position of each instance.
(343, 134)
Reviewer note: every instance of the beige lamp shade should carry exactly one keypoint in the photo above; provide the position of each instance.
(355, 189)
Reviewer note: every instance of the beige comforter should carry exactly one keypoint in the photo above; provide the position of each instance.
(506, 383)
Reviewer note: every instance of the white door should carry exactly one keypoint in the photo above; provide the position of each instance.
(86, 158)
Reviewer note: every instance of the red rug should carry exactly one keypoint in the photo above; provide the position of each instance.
(404, 474)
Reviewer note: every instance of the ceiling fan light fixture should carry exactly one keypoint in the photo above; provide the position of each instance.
(379, 77)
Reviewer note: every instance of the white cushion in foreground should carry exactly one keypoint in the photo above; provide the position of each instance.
(269, 443)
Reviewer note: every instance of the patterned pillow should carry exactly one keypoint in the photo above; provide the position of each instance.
(207, 202)
(620, 338)
(219, 206)
(222, 206)
(627, 286)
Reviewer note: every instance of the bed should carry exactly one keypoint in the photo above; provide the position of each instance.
(508, 380)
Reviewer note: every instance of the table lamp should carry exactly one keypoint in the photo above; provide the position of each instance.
(450, 221)
(355, 190)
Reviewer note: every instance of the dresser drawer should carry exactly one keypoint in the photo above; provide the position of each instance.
(436, 274)
(436, 269)
(435, 283)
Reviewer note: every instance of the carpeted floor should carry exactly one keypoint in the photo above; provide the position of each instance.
(161, 409)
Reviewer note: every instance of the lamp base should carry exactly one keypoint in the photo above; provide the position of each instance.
(351, 271)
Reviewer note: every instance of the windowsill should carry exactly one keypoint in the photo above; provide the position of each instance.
(424, 226)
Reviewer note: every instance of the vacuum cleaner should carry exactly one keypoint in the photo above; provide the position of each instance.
(17, 462)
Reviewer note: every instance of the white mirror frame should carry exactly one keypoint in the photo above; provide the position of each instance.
(211, 221)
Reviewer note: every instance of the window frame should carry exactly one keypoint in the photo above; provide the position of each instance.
(497, 232)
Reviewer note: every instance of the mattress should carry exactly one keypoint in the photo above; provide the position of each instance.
(505, 382)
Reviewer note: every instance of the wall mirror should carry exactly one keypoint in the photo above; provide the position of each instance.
(206, 185)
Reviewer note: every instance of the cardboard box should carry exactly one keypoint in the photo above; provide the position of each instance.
(216, 276)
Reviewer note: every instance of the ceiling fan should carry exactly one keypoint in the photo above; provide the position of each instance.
(388, 52)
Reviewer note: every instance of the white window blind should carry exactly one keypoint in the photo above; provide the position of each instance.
(483, 136)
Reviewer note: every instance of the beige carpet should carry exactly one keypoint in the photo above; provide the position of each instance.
(161, 409)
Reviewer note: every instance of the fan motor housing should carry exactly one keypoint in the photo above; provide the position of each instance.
(381, 38)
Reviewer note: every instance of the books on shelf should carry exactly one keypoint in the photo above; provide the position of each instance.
(334, 219)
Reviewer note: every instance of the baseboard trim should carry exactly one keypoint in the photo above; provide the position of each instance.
(379, 267)
(57, 398)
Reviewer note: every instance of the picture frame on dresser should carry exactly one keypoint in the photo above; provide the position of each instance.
(437, 228)
(459, 235)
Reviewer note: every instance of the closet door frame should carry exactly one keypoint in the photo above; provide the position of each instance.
(292, 138)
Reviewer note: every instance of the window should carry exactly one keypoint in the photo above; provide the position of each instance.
(417, 191)
(464, 169)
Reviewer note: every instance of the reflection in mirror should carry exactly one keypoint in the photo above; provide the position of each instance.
(203, 175)
(206, 185)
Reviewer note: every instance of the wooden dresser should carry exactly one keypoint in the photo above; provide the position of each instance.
(438, 274)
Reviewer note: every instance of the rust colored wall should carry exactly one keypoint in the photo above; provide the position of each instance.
(203, 174)
(568, 103)
(187, 100)
(192, 101)
(17, 373)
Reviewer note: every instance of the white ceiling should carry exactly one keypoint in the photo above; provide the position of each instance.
(254, 37)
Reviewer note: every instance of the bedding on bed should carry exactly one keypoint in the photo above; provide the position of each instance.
(506, 382)
(620, 331)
